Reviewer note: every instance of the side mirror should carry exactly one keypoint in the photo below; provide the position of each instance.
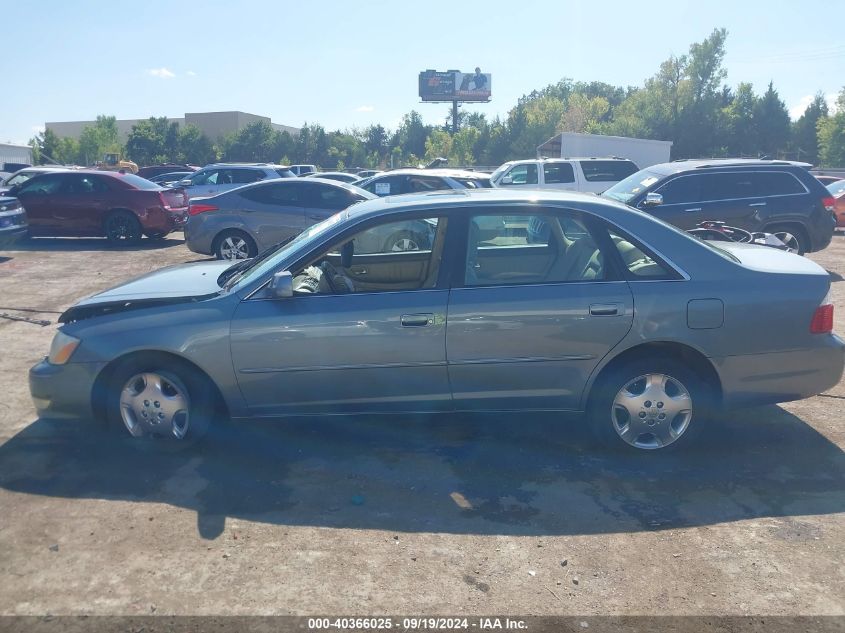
(652, 200)
(184, 183)
(281, 286)
(506, 180)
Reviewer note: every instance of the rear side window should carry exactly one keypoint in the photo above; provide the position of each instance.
(607, 170)
(777, 183)
(425, 183)
(84, 184)
(287, 194)
(728, 186)
(475, 183)
(389, 186)
(327, 197)
(636, 261)
(558, 173)
(140, 183)
(245, 176)
(285, 173)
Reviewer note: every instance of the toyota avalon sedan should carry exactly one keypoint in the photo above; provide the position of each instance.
(613, 313)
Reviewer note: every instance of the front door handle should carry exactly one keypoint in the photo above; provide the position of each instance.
(757, 204)
(604, 309)
(417, 320)
(693, 210)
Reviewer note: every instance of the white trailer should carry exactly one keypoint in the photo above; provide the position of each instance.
(20, 154)
(643, 152)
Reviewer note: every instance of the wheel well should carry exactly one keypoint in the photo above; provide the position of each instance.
(98, 392)
(685, 354)
(798, 227)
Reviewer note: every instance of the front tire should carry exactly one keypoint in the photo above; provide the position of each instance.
(234, 246)
(150, 397)
(649, 404)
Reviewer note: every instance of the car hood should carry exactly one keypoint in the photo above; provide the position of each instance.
(771, 260)
(174, 284)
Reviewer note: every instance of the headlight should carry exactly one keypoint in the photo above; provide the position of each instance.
(62, 347)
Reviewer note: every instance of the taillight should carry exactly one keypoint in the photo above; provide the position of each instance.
(164, 204)
(822, 322)
(196, 209)
(829, 203)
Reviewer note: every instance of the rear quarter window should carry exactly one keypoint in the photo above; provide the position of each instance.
(136, 182)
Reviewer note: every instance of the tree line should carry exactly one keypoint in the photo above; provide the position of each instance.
(686, 101)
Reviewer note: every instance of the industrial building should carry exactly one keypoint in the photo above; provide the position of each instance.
(213, 124)
(16, 154)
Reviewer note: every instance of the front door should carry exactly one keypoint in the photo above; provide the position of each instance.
(529, 320)
(82, 202)
(363, 332)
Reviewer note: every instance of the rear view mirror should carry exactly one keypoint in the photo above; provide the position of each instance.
(506, 180)
(184, 183)
(652, 200)
(281, 285)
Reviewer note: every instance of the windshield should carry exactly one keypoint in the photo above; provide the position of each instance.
(837, 188)
(262, 265)
(626, 189)
(494, 177)
(20, 177)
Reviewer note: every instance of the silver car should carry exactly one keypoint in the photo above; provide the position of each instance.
(217, 178)
(616, 314)
(240, 223)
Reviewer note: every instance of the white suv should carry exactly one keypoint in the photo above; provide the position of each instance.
(572, 174)
(214, 179)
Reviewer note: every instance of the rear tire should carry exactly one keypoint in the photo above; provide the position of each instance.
(122, 228)
(794, 236)
(234, 246)
(653, 404)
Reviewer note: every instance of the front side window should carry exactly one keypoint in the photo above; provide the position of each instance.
(42, 185)
(208, 177)
(543, 248)
(246, 176)
(522, 175)
(558, 173)
(391, 256)
(682, 190)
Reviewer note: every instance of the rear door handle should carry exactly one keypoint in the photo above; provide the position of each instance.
(604, 309)
(693, 210)
(417, 320)
(757, 204)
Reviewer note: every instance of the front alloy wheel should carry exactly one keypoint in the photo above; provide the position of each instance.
(154, 403)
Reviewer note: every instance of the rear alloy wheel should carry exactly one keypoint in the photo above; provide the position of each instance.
(649, 405)
(403, 241)
(122, 227)
(234, 245)
(793, 236)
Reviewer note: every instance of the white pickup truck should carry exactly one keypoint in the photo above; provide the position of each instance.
(571, 174)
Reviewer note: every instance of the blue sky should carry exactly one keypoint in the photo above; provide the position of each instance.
(345, 64)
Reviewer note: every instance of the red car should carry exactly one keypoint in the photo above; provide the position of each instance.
(89, 203)
(837, 190)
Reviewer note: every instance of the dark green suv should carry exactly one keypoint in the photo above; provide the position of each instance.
(778, 197)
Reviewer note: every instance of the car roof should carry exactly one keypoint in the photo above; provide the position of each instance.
(443, 173)
(247, 165)
(552, 159)
(449, 198)
(723, 163)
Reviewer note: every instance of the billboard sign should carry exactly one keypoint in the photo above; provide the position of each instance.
(454, 85)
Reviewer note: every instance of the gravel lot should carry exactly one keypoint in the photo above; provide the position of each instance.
(473, 515)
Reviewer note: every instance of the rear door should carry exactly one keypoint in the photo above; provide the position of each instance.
(528, 321)
(273, 211)
(82, 202)
(559, 175)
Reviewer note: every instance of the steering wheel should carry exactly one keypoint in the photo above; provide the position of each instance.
(329, 272)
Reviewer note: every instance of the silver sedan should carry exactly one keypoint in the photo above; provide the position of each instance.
(611, 312)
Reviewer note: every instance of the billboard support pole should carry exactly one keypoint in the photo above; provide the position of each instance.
(454, 117)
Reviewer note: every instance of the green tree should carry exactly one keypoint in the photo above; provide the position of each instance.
(463, 143)
(739, 122)
(805, 138)
(98, 139)
(255, 142)
(583, 113)
(438, 143)
(832, 136)
(195, 147)
(771, 123)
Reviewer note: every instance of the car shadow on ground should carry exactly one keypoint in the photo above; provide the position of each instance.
(63, 244)
(511, 475)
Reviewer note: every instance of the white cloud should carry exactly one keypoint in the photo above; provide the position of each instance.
(161, 73)
(191, 73)
(798, 109)
(365, 108)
